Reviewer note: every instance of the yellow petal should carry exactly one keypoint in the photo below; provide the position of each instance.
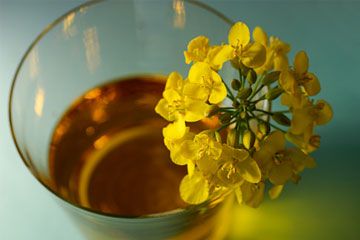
(175, 130)
(298, 159)
(218, 55)
(278, 46)
(238, 195)
(197, 49)
(260, 36)
(171, 95)
(253, 193)
(281, 62)
(249, 170)
(310, 162)
(177, 157)
(189, 149)
(301, 63)
(275, 191)
(325, 113)
(190, 168)
(263, 158)
(302, 119)
(275, 142)
(312, 86)
(279, 174)
(195, 110)
(196, 91)
(207, 165)
(198, 72)
(239, 154)
(194, 189)
(229, 175)
(229, 154)
(287, 82)
(174, 145)
(302, 140)
(294, 101)
(239, 34)
(162, 108)
(218, 93)
(175, 82)
(254, 55)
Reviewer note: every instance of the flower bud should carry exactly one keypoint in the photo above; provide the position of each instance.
(271, 77)
(251, 76)
(230, 139)
(264, 128)
(248, 139)
(244, 93)
(217, 137)
(243, 115)
(274, 93)
(281, 119)
(235, 84)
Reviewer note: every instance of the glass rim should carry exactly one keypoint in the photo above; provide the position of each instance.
(25, 159)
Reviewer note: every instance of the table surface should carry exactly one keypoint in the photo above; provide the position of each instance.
(325, 205)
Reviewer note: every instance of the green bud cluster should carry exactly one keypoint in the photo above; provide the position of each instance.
(247, 93)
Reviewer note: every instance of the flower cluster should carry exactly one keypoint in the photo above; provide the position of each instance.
(243, 149)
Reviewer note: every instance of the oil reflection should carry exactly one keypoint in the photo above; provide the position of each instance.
(179, 14)
(39, 102)
(92, 49)
(69, 28)
(34, 63)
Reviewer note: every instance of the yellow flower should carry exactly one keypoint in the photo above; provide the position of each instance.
(194, 189)
(251, 54)
(275, 191)
(291, 80)
(307, 141)
(198, 50)
(174, 135)
(218, 55)
(304, 78)
(319, 113)
(303, 122)
(205, 84)
(204, 151)
(252, 194)
(295, 100)
(278, 163)
(276, 52)
(288, 82)
(237, 166)
(175, 106)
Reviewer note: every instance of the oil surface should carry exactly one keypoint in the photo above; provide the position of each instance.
(107, 151)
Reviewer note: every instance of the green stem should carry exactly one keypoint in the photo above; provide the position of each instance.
(225, 125)
(284, 111)
(256, 92)
(258, 100)
(263, 111)
(258, 81)
(230, 94)
(237, 133)
(241, 79)
(276, 127)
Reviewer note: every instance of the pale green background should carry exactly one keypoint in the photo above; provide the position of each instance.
(325, 205)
